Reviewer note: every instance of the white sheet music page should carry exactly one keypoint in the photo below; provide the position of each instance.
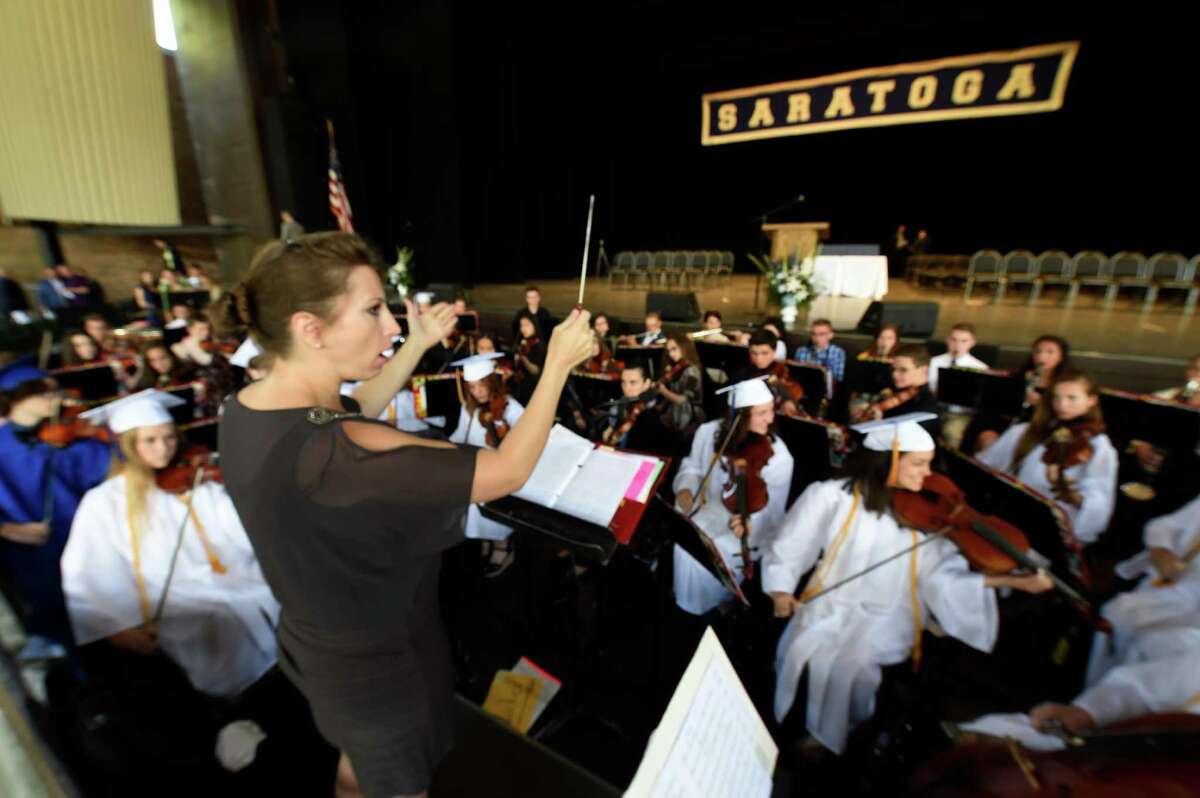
(711, 743)
(557, 466)
(602, 482)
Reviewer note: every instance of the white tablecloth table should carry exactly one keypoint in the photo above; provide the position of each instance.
(852, 275)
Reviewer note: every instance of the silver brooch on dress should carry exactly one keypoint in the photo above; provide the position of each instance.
(323, 415)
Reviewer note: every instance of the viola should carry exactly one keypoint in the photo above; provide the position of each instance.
(746, 493)
(491, 416)
(989, 543)
(181, 475)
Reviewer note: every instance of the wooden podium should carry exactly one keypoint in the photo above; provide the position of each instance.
(802, 237)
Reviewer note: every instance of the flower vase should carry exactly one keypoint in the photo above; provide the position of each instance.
(787, 308)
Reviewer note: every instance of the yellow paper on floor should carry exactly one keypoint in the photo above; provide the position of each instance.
(512, 698)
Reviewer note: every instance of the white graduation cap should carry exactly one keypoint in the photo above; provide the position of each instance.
(749, 393)
(146, 408)
(478, 367)
(897, 434)
(245, 353)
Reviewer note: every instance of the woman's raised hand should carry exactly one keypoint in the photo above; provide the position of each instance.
(571, 341)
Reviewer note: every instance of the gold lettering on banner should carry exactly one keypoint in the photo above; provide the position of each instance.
(879, 90)
(922, 92)
(967, 87)
(840, 104)
(799, 107)
(1000, 83)
(1019, 83)
(726, 117)
(762, 116)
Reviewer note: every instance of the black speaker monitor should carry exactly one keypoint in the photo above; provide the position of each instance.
(673, 307)
(915, 319)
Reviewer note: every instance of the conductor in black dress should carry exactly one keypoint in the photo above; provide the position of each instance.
(348, 515)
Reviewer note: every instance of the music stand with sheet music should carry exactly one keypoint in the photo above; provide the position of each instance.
(680, 530)
(991, 392)
(92, 382)
(202, 433)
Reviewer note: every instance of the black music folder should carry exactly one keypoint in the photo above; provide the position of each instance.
(1171, 426)
(990, 392)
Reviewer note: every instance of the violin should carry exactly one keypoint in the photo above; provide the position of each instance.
(889, 400)
(603, 364)
(180, 475)
(989, 543)
(524, 349)
(491, 416)
(746, 493)
(61, 434)
(1069, 444)
(673, 373)
(615, 434)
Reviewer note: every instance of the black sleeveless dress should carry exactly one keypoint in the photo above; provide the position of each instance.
(350, 542)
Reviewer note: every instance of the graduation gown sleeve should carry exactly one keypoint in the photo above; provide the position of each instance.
(1000, 454)
(1129, 691)
(798, 542)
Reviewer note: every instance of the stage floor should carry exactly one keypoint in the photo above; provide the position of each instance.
(1166, 332)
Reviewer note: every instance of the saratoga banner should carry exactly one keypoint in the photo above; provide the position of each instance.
(1028, 81)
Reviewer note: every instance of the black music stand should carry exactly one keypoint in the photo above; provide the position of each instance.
(202, 433)
(729, 358)
(1170, 426)
(93, 382)
(648, 356)
(981, 391)
(808, 442)
(862, 376)
(815, 382)
(186, 412)
(595, 390)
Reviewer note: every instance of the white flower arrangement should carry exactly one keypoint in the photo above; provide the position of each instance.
(399, 274)
(790, 280)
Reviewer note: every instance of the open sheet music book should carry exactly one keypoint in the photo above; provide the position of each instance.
(590, 482)
(711, 742)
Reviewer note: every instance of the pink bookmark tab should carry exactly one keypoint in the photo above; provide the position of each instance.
(639, 481)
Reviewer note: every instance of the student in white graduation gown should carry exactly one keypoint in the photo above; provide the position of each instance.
(844, 637)
(1039, 454)
(1160, 617)
(696, 590)
(219, 615)
(479, 425)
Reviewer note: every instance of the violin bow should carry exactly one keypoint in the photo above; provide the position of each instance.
(932, 536)
(703, 489)
(187, 514)
(587, 243)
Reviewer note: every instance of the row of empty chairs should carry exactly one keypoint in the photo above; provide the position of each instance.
(1163, 271)
(686, 269)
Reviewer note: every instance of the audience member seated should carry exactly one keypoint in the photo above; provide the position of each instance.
(161, 369)
(1064, 453)
(651, 336)
(52, 294)
(196, 278)
(821, 350)
(884, 344)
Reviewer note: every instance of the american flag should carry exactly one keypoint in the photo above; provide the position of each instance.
(339, 203)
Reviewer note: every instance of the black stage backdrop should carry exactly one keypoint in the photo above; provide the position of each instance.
(475, 131)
